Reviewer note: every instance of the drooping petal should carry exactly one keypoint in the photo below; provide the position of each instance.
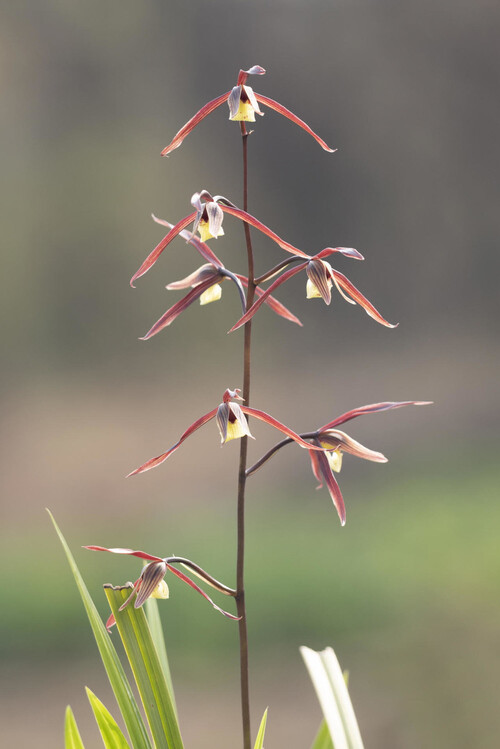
(358, 297)
(155, 254)
(151, 577)
(273, 303)
(162, 458)
(252, 99)
(140, 554)
(173, 312)
(370, 409)
(202, 248)
(293, 117)
(234, 101)
(313, 455)
(215, 218)
(263, 416)
(195, 120)
(237, 425)
(193, 585)
(249, 219)
(319, 281)
(332, 486)
(260, 301)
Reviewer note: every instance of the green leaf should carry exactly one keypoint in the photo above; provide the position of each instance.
(259, 741)
(331, 689)
(111, 733)
(72, 738)
(146, 667)
(323, 739)
(154, 621)
(119, 683)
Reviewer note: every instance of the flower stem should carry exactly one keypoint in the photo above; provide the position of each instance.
(240, 565)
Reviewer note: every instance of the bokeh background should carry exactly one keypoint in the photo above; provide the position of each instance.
(408, 592)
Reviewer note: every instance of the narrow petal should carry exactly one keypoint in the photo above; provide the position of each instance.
(371, 409)
(155, 254)
(174, 311)
(254, 70)
(293, 117)
(337, 438)
(195, 120)
(202, 248)
(313, 455)
(140, 554)
(358, 297)
(161, 458)
(347, 251)
(222, 419)
(263, 416)
(249, 219)
(198, 276)
(332, 486)
(273, 303)
(193, 585)
(258, 303)
(110, 622)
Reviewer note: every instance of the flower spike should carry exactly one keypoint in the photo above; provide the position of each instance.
(243, 104)
(151, 583)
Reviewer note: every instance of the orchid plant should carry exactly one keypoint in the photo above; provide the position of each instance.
(324, 445)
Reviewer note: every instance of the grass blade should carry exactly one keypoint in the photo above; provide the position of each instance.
(111, 733)
(146, 667)
(331, 689)
(119, 683)
(154, 621)
(72, 738)
(259, 741)
(323, 739)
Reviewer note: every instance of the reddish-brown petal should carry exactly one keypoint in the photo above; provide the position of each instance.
(293, 117)
(255, 306)
(249, 219)
(313, 455)
(155, 254)
(273, 303)
(334, 438)
(195, 120)
(140, 554)
(347, 251)
(358, 297)
(254, 70)
(202, 248)
(179, 307)
(193, 585)
(161, 458)
(371, 409)
(332, 486)
(110, 622)
(263, 416)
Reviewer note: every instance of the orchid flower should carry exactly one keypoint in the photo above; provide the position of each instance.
(232, 424)
(207, 220)
(243, 104)
(321, 277)
(336, 442)
(151, 584)
(205, 286)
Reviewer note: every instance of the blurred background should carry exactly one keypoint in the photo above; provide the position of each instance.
(407, 592)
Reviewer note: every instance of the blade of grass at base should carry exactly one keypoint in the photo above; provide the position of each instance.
(331, 689)
(116, 675)
(154, 621)
(111, 733)
(72, 738)
(323, 739)
(146, 667)
(259, 741)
